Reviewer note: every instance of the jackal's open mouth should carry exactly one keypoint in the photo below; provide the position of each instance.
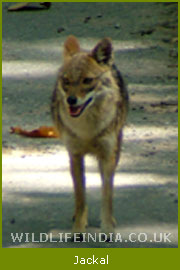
(75, 111)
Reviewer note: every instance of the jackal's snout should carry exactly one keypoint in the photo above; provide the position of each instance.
(72, 100)
(75, 107)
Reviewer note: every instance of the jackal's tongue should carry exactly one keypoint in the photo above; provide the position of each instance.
(75, 110)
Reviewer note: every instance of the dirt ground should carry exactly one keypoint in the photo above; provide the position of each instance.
(37, 187)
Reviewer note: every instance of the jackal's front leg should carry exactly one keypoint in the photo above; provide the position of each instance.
(107, 169)
(77, 172)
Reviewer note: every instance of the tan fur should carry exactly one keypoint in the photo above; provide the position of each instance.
(89, 107)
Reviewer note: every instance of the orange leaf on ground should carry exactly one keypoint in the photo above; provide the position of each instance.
(43, 131)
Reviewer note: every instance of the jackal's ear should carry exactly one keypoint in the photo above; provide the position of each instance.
(71, 46)
(102, 52)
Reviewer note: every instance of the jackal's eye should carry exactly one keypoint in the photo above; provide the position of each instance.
(87, 80)
(65, 81)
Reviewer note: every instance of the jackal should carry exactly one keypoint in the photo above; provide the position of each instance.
(89, 108)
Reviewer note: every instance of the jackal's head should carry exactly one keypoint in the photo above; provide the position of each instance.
(80, 77)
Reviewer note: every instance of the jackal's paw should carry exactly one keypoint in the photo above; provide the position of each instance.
(107, 227)
(80, 223)
(77, 237)
(77, 231)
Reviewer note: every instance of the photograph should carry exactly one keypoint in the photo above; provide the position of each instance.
(90, 126)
